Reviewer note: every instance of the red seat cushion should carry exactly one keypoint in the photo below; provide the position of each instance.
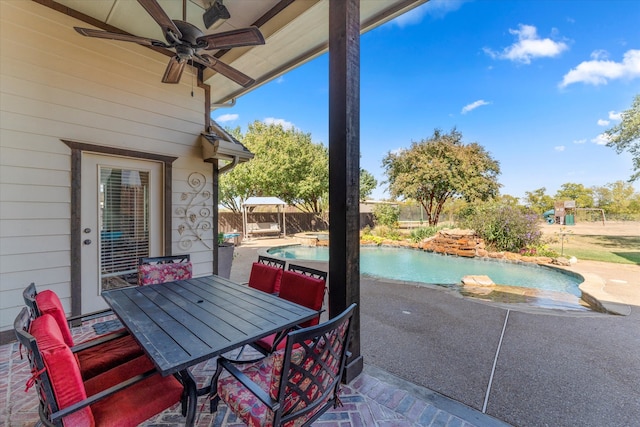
(304, 290)
(92, 360)
(137, 403)
(62, 369)
(102, 357)
(265, 278)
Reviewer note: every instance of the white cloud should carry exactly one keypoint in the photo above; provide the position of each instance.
(615, 116)
(579, 141)
(435, 8)
(227, 118)
(474, 105)
(280, 80)
(273, 121)
(601, 139)
(559, 147)
(599, 70)
(528, 46)
(602, 122)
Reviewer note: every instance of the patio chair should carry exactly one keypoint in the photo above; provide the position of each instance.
(293, 386)
(153, 270)
(301, 289)
(307, 271)
(95, 355)
(126, 395)
(266, 274)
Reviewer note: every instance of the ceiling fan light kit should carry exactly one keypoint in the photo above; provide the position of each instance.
(188, 41)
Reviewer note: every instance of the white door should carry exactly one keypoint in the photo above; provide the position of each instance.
(121, 220)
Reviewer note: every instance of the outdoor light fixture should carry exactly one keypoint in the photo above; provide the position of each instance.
(216, 12)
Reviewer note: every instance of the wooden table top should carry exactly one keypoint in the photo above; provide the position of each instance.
(182, 323)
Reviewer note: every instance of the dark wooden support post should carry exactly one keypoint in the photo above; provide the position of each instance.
(216, 197)
(215, 169)
(344, 168)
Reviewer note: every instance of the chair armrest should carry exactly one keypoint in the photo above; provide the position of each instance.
(253, 387)
(89, 316)
(100, 340)
(98, 396)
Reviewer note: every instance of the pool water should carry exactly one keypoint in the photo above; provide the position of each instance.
(419, 266)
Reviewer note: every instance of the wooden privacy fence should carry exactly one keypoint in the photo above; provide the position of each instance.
(297, 222)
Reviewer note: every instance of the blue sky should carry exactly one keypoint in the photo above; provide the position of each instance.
(534, 82)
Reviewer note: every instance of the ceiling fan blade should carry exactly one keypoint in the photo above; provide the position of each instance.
(117, 36)
(174, 69)
(224, 69)
(250, 36)
(160, 16)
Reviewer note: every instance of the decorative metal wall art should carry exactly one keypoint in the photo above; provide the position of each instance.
(196, 214)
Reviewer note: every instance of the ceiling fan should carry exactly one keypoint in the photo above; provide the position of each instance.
(188, 41)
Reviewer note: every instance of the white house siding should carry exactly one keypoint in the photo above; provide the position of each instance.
(56, 84)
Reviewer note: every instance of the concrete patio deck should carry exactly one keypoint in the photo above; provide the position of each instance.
(436, 359)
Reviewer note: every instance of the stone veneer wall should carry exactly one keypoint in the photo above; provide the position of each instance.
(467, 244)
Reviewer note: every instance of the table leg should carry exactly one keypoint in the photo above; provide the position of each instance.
(191, 391)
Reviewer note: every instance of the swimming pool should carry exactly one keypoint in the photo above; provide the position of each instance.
(419, 266)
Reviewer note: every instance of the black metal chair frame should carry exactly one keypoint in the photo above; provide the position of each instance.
(307, 271)
(306, 338)
(272, 262)
(169, 259)
(50, 414)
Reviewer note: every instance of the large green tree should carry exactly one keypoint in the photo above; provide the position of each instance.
(538, 201)
(578, 192)
(286, 164)
(616, 198)
(626, 135)
(441, 168)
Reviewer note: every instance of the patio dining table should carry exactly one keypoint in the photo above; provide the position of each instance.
(182, 323)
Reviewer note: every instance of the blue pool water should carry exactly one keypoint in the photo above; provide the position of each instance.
(419, 266)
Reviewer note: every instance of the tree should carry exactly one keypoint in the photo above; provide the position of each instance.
(626, 135)
(538, 201)
(286, 164)
(440, 168)
(616, 197)
(368, 183)
(578, 192)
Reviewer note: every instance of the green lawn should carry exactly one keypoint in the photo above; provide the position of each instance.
(617, 249)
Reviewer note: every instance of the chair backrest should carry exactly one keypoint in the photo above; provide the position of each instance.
(265, 278)
(312, 370)
(47, 302)
(56, 373)
(169, 259)
(272, 262)
(153, 270)
(304, 290)
(307, 271)
(29, 296)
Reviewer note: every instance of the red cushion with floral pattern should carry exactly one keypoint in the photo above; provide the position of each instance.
(151, 274)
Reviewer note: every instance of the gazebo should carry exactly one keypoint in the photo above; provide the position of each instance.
(255, 228)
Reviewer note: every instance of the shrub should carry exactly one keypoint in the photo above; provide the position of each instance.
(504, 227)
(419, 234)
(388, 215)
